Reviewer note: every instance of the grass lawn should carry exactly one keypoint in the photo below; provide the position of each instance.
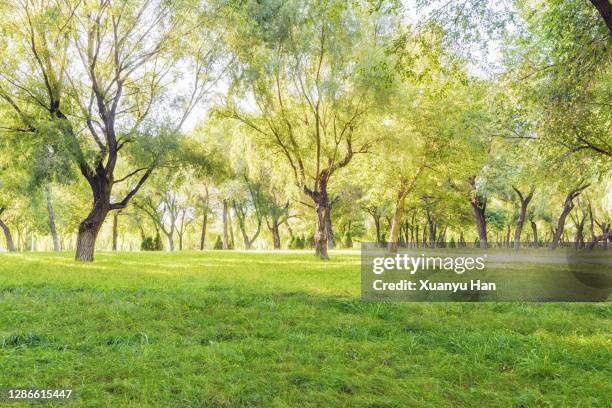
(275, 330)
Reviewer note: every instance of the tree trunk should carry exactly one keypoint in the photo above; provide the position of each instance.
(579, 240)
(242, 215)
(170, 238)
(605, 11)
(321, 232)
(605, 231)
(579, 224)
(442, 238)
(276, 235)
(245, 237)
(328, 227)
(479, 204)
(225, 232)
(432, 230)
(10, 245)
(377, 225)
(203, 235)
(568, 205)
(534, 229)
(115, 228)
(396, 221)
(232, 243)
(507, 243)
(88, 232)
(522, 214)
(289, 230)
(481, 222)
(51, 212)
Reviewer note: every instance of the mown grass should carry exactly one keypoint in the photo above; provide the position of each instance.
(275, 330)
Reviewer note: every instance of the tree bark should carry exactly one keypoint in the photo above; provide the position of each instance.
(606, 237)
(88, 232)
(169, 234)
(579, 224)
(479, 205)
(276, 235)
(115, 229)
(396, 221)
(568, 205)
(51, 212)
(241, 214)
(605, 232)
(432, 229)
(10, 244)
(232, 243)
(225, 232)
(399, 210)
(328, 226)
(203, 235)
(522, 214)
(321, 232)
(534, 229)
(321, 204)
(170, 238)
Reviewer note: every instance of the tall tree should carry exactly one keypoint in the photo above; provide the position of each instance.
(104, 68)
(316, 72)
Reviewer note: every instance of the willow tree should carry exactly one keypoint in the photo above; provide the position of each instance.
(101, 75)
(561, 64)
(311, 72)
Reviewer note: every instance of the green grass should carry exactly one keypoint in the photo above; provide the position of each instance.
(261, 329)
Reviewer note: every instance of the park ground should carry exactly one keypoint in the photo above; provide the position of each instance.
(215, 328)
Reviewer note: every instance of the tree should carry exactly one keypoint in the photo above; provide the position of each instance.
(568, 205)
(560, 64)
(312, 82)
(105, 67)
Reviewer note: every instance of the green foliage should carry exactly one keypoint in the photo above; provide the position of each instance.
(297, 242)
(218, 243)
(348, 240)
(148, 244)
(152, 243)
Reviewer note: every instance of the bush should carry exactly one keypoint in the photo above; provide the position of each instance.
(158, 244)
(218, 243)
(297, 242)
(452, 244)
(300, 242)
(147, 244)
(348, 240)
(152, 244)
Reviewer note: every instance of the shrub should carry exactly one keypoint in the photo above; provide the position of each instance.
(348, 240)
(159, 246)
(147, 244)
(218, 243)
(152, 244)
(300, 242)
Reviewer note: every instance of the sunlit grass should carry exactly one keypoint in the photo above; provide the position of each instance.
(263, 329)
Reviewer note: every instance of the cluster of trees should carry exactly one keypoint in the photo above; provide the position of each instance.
(304, 124)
